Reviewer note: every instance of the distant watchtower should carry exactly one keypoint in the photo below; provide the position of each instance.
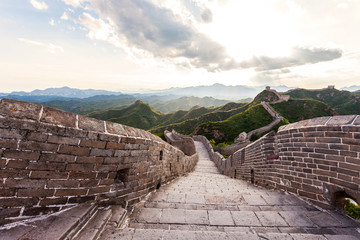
(331, 86)
(268, 88)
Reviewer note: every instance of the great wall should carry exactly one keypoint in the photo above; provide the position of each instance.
(66, 176)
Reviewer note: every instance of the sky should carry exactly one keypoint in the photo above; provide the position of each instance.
(132, 45)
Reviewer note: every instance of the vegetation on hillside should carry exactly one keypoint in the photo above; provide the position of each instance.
(300, 109)
(225, 131)
(343, 102)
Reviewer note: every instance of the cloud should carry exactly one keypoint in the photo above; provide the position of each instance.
(39, 5)
(51, 48)
(98, 29)
(148, 28)
(64, 16)
(51, 22)
(299, 56)
(156, 30)
(74, 3)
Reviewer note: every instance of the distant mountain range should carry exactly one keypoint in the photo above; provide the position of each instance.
(218, 91)
(65, 92)
(353, 88)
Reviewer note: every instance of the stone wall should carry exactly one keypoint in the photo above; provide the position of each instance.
(317, 159)
(184, 143)
(50, 160)
(320, 158)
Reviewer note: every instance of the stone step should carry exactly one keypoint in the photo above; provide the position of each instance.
(118, 216)
(164, 234)
(62, 225)
(95, 225)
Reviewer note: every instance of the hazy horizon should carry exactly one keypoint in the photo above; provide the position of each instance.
(138, 45)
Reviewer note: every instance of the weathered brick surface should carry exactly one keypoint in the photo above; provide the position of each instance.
(50, 159)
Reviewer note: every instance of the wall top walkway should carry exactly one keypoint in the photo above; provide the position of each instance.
(347, 120)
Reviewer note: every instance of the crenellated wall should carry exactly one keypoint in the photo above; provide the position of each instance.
(50, 160)
(317, 159)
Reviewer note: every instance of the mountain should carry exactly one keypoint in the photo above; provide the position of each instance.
(138, 114)
(219, 91)
(299, 109)
(226, 131)
(64, 92)
(91, 104)
(352, 88)
(186, 103)
(343, 102)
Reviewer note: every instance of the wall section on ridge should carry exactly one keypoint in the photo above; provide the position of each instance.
(317, 159)
(50, 160)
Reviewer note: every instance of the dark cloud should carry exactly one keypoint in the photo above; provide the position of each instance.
(299, 56)
(162, 33)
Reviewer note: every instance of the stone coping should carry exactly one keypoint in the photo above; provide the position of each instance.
(345, 120)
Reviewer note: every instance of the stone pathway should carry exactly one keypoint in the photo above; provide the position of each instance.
(208, 205)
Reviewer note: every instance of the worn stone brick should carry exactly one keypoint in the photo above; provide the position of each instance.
(108, 137)
(38, 146)
(36, 136)
(80, 167)
(48, 175)
(11, 144)
(76, 151)
(53, 201)
(351, 141)
(14, 173)
(60, 158)
(101, 152)
(2, 161)
(63, 140)
(91, 124)
(14, 154)
(55, 116)
(344, 183)
(18, 202)
(17, 164)
(105, 168)
(11, 133)
(353, 160)
(46, 166)
(81, 199)
(327, 151)
(349, 166)
(89, 183)
(97, 190)
(10, 212)
(345, 171)
(29, 192)
(328, 140)
(92, 159)
(7, 193)
(113, 160)
(307, 194)
(115, 145)
(348, 153)
(19, 109)
(70, 192)
(355, 148)
(68, 183)
(115, 128)
(82, 175)
(92, 143)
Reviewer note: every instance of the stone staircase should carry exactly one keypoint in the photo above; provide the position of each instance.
(208, 205)
(83, 222)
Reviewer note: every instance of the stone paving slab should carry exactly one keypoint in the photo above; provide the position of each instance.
(208, 205)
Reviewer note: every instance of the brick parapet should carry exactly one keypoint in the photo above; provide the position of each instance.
(50, 160)
(317, 159)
